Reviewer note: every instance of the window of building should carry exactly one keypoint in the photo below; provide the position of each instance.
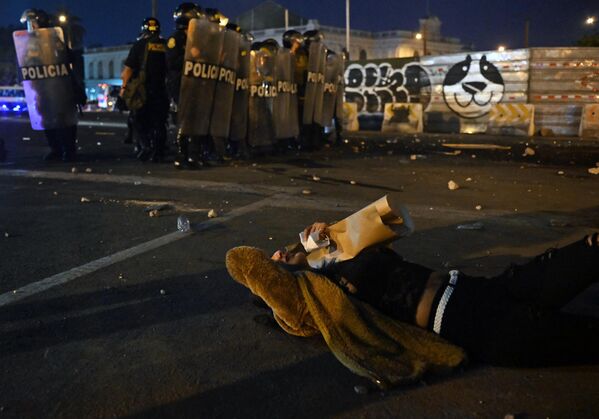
(90, 71)
(111, 69)
(100, 70)
(363, 55)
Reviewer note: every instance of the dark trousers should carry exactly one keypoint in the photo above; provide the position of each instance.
(516, 318)
(62, 140)
(150, 126)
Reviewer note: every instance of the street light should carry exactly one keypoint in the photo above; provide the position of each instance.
(501, 48)
(419, 36)
(590, 21)
(62, 18)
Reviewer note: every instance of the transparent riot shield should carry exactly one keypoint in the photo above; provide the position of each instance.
(333, 71)
(261, 130)
(239, 114)
(46, 73)
(340, 93)
(222, 105)
(201, 70)
(294, 113)
(314, 84)
(284, 113)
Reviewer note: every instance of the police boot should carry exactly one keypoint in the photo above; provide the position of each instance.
(182, 152)
(54, 144)
(195, 158)
(69, 144)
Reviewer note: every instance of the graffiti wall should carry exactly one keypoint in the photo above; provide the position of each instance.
(373, 84)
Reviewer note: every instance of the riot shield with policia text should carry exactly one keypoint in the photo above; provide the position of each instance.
(333, 72)
(314, 83)
(239, 113)
(201, 72)
(46, 73)
(261, 130)
(222, 104)
(284, 112)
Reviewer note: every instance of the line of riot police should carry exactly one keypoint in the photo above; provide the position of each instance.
(229, 96)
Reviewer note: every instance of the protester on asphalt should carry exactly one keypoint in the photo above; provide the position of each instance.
(514, 318)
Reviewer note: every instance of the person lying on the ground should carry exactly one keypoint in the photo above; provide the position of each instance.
(513, 319)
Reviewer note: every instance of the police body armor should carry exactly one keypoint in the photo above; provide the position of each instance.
(239, 114)
(332, 84)
(261, 127)
(285, 114)
(46, 73)
(314, 84)
(225, 85)
(201, 72)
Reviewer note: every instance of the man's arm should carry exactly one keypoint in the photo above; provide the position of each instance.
(319, 227)
(126, 75)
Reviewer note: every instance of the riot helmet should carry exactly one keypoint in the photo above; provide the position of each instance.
(35, 19)
(292, 36)
(233, 27)
(312, 36)
(150, 26)
(256, 45)
(214, 15)
(184, 13)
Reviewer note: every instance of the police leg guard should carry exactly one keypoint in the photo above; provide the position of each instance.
(69, 143)
(53, 143)
(182, 151)
(194, 158)
(158, 143)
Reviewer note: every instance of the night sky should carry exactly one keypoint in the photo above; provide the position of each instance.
(485, 24)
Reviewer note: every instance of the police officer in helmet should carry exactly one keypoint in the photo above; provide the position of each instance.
(187, 147)
(62, 141)
(148, 55)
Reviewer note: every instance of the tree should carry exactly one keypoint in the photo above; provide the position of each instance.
(589, 40)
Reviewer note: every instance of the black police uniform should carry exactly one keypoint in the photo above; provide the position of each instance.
(150, 120)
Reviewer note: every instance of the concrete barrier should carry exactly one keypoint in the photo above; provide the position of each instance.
(350, 117)
(511, 119)
(589, 122)
(403, 118)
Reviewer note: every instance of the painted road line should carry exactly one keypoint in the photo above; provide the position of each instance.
(80, 271)
(83, 123)
(150, 181)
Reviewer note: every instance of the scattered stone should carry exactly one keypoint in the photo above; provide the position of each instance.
(88, 170)
(473, 226)
(26, 138)
(353, 182)
(162, 292)
(468, 179)
(561, 172)
(452, 185)
(121, 276)
(55, 193)
(528, 151)
(559, 223)
(137, 183)
(99, 143)
(40, 183)
(85, 200)
(594, 170)
(74, 170)
(154, 213)
(478, 207)
(307, 192)
(212, 214)
(473, 156)
(361, 389)
(315, 178)
(148, 172)
(413, 157)
(109, 171)
(270, 238)
(7, 234)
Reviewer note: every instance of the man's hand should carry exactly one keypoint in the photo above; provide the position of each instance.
(319, 227)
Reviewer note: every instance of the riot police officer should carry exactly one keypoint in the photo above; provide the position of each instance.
(175, 56)
(57, 113)
(147, 55)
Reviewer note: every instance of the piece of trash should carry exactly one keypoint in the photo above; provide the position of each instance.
(452, 185)
(85, 200)
(183, 224)
(594, 170)
(154, 213)
(478, 207)
(88, 170)
(162, 292)
(315, 178)
(74, 170)
(99, 143)
(352, 182)
(307, 192)
(55, 193)
(7, 234)
(561, 172)
(473, 156)
(158, 207)
(270, 238)
(137, 183)
(26, 138)
(529, 152)
(453, 153)
(559, 223)
(413, 157)
(472, 226)
(468, 179)
(546, 132)
(212, 214)
(361, 389)
(40, 183)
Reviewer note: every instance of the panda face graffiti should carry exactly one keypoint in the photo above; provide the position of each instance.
(471, 87)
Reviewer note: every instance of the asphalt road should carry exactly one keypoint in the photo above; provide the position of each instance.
(108, 312)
